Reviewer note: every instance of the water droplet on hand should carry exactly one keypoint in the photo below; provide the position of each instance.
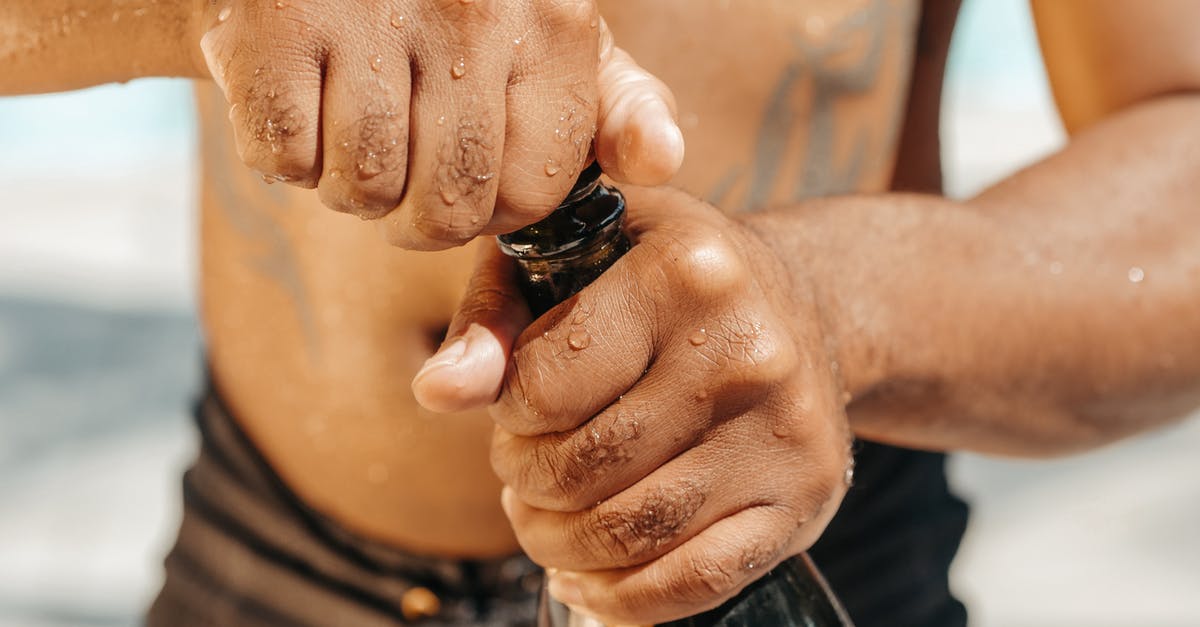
(1136, 275)
(449, 196)
(551, 168)
(459, 69)
(397, 21)
(279, 4)
(223, 14)
(377, 63)
(579, 339)
(699, 337)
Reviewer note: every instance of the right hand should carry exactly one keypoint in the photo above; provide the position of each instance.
(439, 119)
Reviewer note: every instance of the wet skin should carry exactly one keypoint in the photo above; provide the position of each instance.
(321, 381)
(1055, 312)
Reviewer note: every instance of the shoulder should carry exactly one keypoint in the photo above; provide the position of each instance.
(1105, 55)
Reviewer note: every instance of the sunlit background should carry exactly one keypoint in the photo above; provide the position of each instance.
(100, 356)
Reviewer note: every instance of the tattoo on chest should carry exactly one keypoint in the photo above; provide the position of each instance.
(842, 64)
(249, 212)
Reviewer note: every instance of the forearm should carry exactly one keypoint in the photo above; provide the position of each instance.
(1056, 311)
(55, 45)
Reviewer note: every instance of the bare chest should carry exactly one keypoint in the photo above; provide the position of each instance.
(779, 100)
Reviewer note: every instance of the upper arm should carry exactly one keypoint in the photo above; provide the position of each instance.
(1104, 55)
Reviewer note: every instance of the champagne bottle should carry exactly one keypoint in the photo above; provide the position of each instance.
(558, 257)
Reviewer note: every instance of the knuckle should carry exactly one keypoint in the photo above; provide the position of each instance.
(706, 578)
(708, 268)
(631, 536)
(372, 155)
(277, 135)
(751, 352)
(557, 482)
(450, 227)
(344, 200)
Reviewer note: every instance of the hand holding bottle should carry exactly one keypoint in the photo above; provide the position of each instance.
(669, 434)
(439, 119)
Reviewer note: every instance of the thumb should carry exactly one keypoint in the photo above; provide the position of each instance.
(468, 369)
(637, 139)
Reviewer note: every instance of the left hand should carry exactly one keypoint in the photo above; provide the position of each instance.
(670, 433)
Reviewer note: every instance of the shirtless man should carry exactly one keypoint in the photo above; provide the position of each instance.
(702, 433)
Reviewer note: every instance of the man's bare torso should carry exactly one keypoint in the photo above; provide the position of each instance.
(315, 326)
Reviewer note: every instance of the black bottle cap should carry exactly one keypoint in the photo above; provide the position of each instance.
(587, 212)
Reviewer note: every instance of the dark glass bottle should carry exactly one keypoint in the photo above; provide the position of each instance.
(572, 246)
(558, 257)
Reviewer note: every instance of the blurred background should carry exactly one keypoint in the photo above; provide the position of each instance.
(100, 356)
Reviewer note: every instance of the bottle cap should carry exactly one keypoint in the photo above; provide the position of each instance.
(589, 211)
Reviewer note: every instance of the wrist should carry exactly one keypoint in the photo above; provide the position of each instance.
(869, 263)
(822, 266)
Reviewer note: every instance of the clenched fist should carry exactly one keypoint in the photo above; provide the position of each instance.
(440, 119)
(668, 434)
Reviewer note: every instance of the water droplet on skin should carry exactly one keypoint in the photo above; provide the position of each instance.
(849, 477)
(271, 93)
(551, 168)
(699, 337)
(474, 219)
(376, 63)
(335, 174)
(467, 1)
(397, 21)
(459, 69)
(846, 398)
(222, 15)
(579, 339)
(280, 5)
(701, 395)
(594, 23)
(1056, 267)
(269, 180)
(441, 121)
(449, 196)
(1136, 275)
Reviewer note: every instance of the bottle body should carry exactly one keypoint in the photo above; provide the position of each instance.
(793, 594)
(558, 257)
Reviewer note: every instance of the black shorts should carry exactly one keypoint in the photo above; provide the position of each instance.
(249, 552)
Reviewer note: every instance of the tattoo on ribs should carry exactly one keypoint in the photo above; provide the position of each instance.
(828, 73)
(249, 214)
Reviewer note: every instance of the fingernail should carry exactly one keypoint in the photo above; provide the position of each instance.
(652, 148)
(564, 586)
(448, 356)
